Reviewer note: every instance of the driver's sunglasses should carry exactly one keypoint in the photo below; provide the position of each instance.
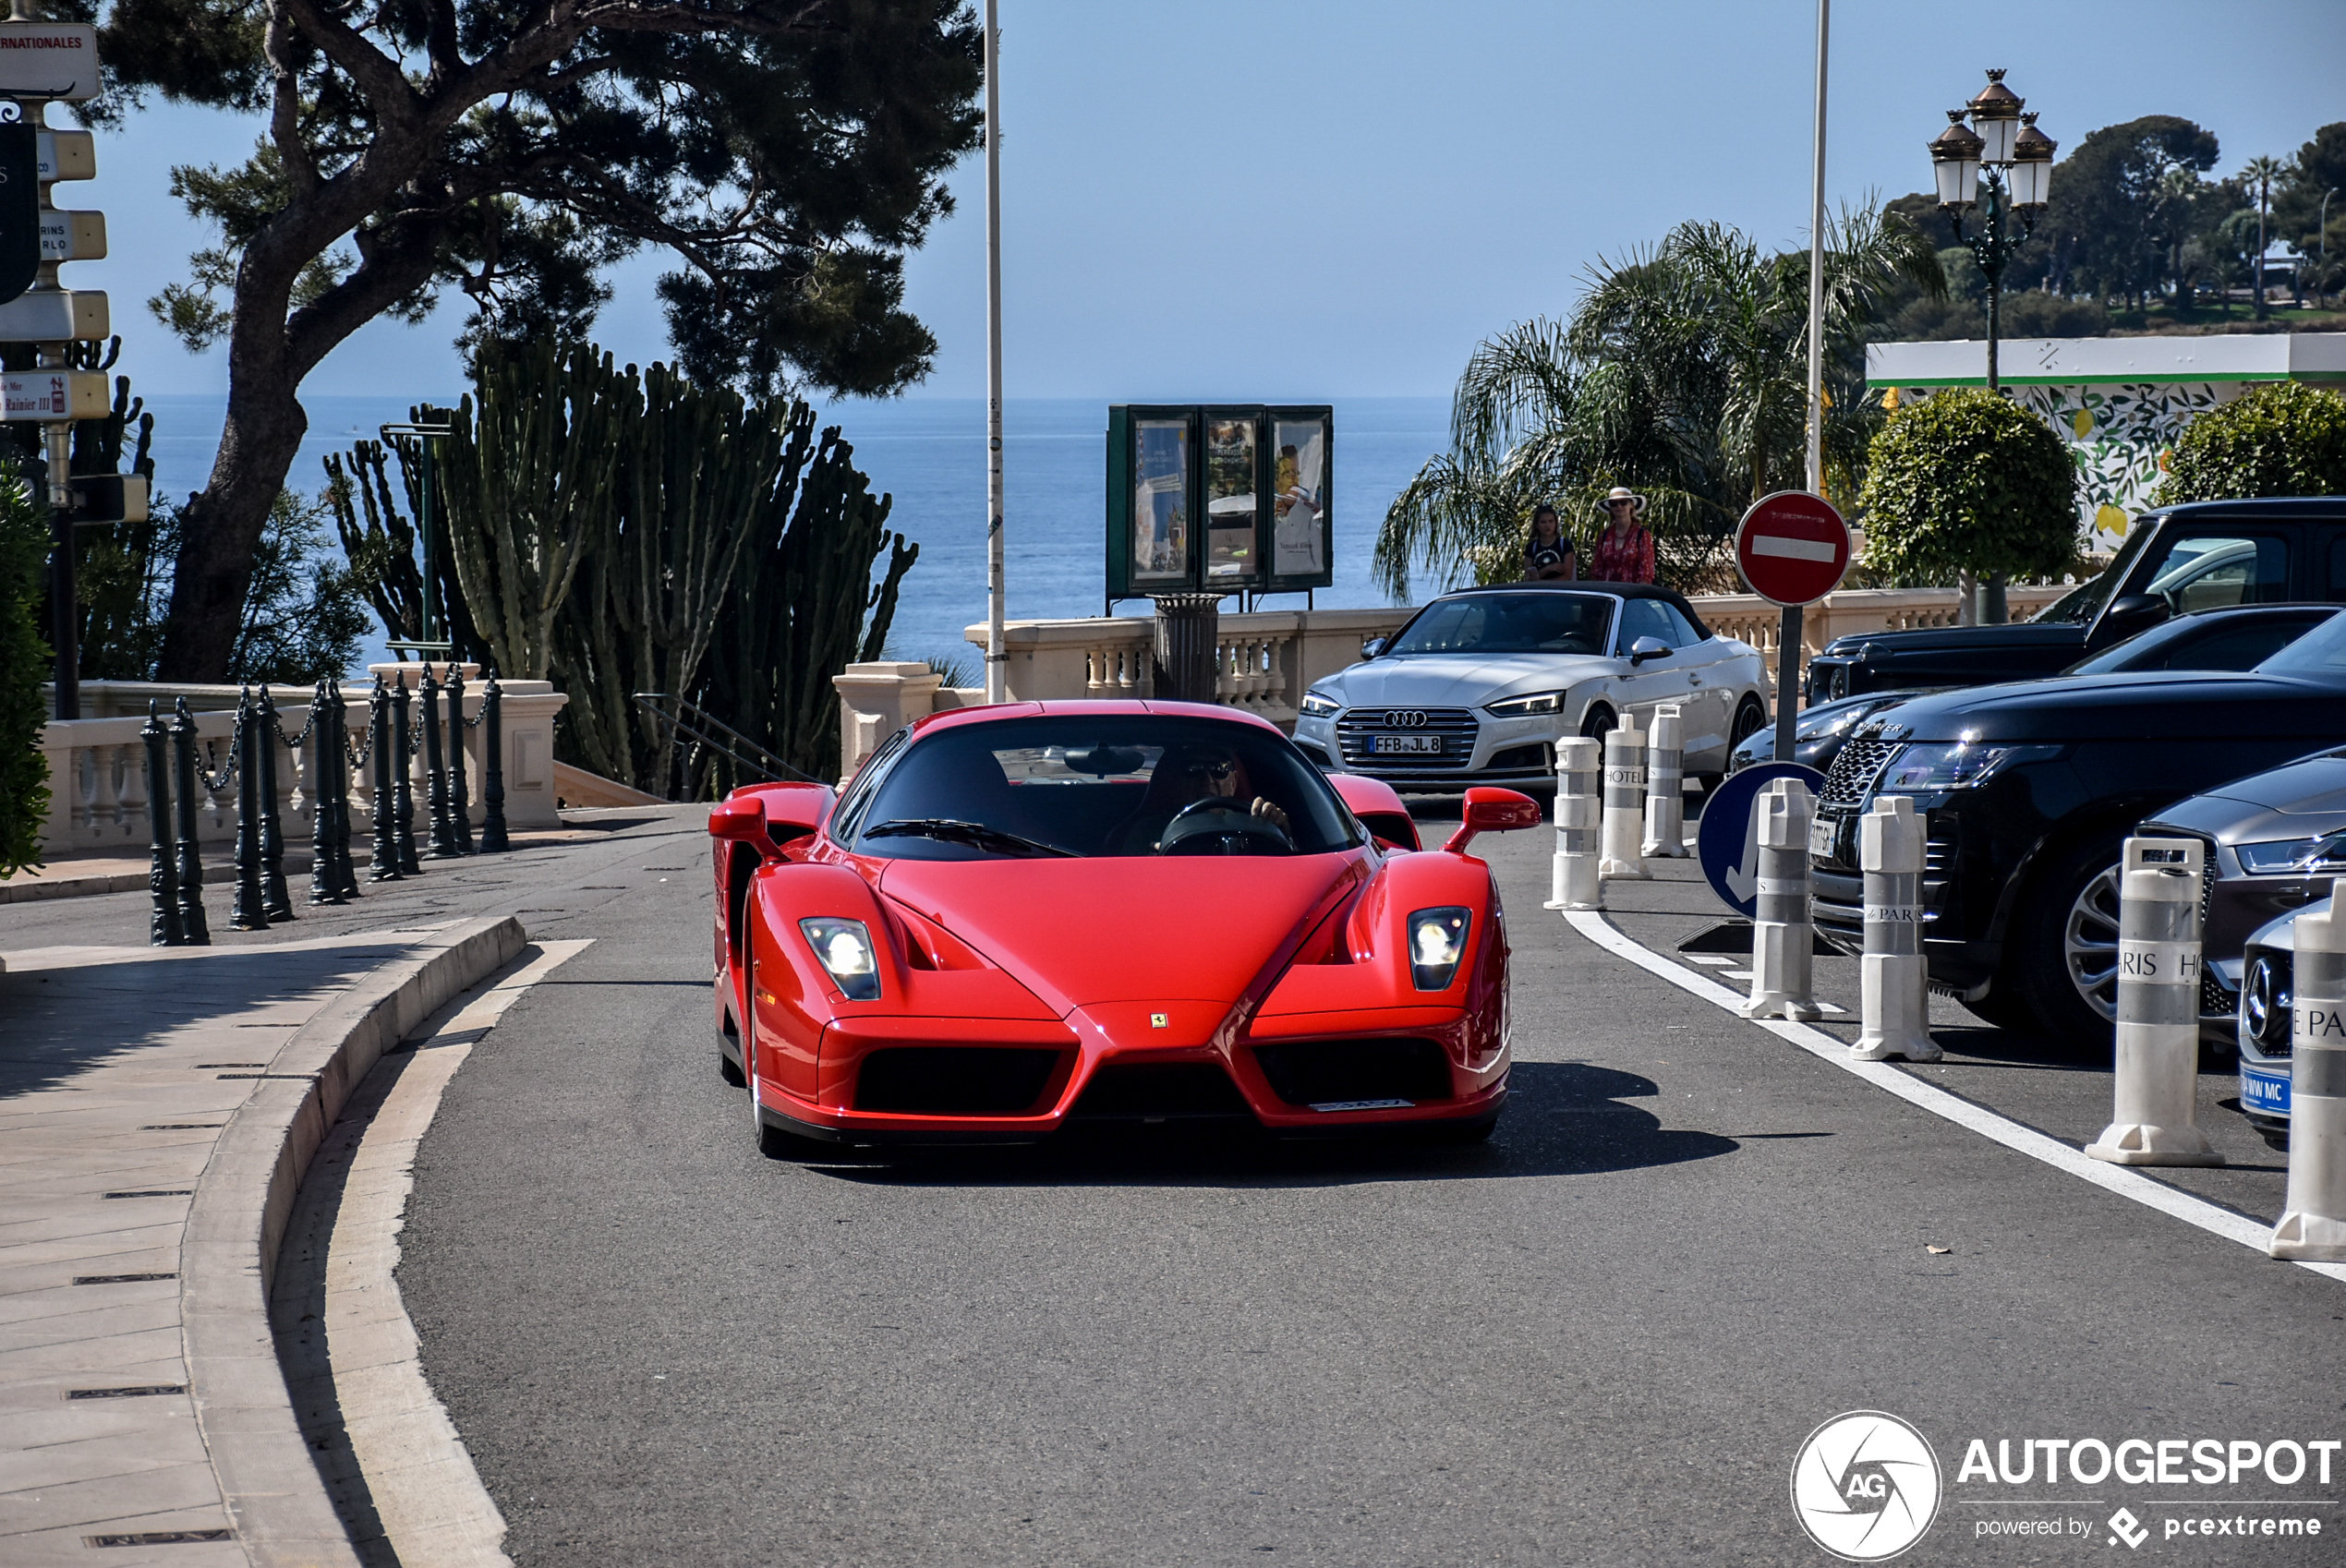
(1217, 771)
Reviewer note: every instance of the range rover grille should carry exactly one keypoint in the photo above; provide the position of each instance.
(1854, 771)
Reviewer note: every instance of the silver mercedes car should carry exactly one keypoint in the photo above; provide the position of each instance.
(1479, 686)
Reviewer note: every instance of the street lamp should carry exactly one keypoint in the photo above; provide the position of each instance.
(2002, 150)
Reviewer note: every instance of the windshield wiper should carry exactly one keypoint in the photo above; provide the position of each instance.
(976, 835)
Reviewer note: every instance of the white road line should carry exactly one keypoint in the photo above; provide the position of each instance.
(2120, 1179)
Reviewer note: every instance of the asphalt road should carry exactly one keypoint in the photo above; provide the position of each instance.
(1600, 1339)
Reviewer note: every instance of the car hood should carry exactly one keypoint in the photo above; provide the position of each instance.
(2298, 800)
(2190, 709)
(2014, 634)
(1456, 679)
(1129, 929)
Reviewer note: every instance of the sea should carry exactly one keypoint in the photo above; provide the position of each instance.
(929, 455)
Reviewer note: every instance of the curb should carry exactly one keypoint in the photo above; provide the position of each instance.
(272, 1488)
(35, 888)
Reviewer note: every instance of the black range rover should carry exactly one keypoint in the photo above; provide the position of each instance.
(2028, 790)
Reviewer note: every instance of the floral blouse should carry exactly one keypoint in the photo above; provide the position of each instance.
(1623, 558)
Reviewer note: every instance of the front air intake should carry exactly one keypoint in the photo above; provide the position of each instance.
(953, 1080)
(1320, 1072)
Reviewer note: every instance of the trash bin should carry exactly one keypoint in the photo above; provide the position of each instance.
(1187, 626)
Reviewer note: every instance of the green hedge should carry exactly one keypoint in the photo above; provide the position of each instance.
(24, 661)
(2284, 438)
(1966, 480)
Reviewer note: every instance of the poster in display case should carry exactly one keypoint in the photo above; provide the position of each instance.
(1228, 498)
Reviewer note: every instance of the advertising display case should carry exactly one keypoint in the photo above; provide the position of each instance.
(1218, 498)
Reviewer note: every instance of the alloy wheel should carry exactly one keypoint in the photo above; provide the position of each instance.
(2089, 942)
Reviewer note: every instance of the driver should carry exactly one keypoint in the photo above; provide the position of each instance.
(1184, 776)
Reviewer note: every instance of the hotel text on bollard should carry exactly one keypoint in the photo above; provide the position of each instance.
(2154, 1117)
(1783, 942)
(1666, 774)
(1893, 988)
(2313, 1217)
(1625, 789)
(1573, 883)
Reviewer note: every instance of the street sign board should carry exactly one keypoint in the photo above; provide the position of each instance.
(110, 497)
(1727, 842)
(20, 210)
(1220, 498)
(1792, 548)
(67, 154)
(72, 237)
(57, 60)
(44, 395)
(56, 316)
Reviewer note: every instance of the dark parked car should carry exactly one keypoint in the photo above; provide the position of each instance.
(2240, 637)
(2185, 558)
(2028, 790)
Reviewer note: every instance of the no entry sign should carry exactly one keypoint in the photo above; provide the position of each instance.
(1792, 548)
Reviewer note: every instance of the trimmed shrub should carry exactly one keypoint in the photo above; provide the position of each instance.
(1967, 481)
(2283, 438)
(24, 661)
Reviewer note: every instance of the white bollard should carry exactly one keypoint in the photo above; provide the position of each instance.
(1665, 791)
(1625, 789)
(1573, 883)
(1893, 986)
(2155, 1115)
(2313, 1215)
(1783, 942)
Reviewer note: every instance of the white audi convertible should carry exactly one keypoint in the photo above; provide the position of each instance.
(1479, 685)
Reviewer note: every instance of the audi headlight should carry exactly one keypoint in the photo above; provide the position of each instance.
(1518, 707)
(2280, 856)
(1319, 704)
(1967, 765)
(1437, 941)
(844, 949)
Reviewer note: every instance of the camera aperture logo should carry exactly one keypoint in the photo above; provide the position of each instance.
(1865, 1486)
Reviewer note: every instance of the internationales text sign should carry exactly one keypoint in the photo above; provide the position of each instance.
(57, 60)
(1792, 548)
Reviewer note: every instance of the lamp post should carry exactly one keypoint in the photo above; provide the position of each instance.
(2002, 150)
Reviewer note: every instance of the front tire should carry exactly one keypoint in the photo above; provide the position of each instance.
(1598, 722)
(2063, 950)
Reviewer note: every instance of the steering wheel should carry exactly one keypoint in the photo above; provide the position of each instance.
(1216, 827)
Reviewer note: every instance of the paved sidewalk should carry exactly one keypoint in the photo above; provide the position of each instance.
(118, 1069)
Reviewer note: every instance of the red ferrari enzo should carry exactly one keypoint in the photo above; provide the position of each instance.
(1020, 917)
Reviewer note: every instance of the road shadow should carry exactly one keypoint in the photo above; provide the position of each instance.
(1563, 1119)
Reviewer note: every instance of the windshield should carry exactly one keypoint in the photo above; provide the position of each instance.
(2321, 651)
(1119, 785)
(2082, 603)
(1509, 623)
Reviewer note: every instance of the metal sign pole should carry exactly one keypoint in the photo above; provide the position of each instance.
(1788, 632)
(995, 656)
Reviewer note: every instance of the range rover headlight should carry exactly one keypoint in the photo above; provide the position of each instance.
(844, 949)
(1926, 770)
(1437, 941)
(1519, 707)
(2279, 857)
(1319, 704)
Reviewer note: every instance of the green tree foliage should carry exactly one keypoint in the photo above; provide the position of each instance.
(2114, 213)
(2318, 168)
(2282, 439)
(305, 615)
(24, 662)
(1682, 374)
(785, 153)
(1966, 481)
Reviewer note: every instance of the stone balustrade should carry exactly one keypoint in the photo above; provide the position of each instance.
(99, 790)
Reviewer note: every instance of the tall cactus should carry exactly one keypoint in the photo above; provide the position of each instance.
(380, 540)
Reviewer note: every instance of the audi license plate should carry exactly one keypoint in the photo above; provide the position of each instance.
(1821, 832)
(1407, 745)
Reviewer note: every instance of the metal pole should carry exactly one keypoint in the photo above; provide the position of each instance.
(163, 881)
(1817, 275)
(64, 592)
(1787, 678)
(995, 656)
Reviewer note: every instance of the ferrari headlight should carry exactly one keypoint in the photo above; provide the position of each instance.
(1518, 707)
(2280, 856)
(1923, 770)
(1319, 704)
(1437, 941)
(844, 948)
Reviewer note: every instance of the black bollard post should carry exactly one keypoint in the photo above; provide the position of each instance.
(402, 789)
(195, 931)
(494, 841)
(163, 881)
(345, 874)
(384, 867)
(275, 901)
(325, 885)
(245, 913)
(460, 817)
(435, 771)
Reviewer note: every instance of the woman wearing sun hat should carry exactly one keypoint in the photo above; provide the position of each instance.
(1624, 550)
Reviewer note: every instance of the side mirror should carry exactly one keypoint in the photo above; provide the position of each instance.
(1644, 648)
(2135, 612)
(741, 821)
(1372, 646)
(1493, 811)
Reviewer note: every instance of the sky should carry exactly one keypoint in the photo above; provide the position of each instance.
(1306, 199)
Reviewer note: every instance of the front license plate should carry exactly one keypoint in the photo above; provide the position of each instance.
(2264, 1092)
(1407, 745)
(1363, 1105)
(1821, 832)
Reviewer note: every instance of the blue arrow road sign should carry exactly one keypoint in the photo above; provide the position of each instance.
(1728, 841)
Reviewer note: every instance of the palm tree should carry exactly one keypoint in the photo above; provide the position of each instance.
(2261, 173)
(1682, 374)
